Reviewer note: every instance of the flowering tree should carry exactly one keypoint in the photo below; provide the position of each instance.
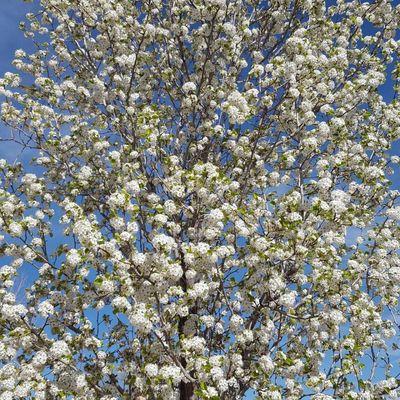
(208, 213)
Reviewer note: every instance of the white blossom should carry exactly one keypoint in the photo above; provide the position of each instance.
(59, 349)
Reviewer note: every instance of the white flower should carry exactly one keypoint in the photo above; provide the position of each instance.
(266, 363)
(336, 317)
(203, 248)
(121, 303)
(170, 207)
(15, 229)
(189, 87)
(39, 359)
(59, 349)
(138, 258)
(7, 395)
(200, 289)
(171, 371)
(394, 213)
(114, 155)
(85, 173)
(163, 241)
(340, 200)
(229, 29)
(73, 258)
(195, 344)
(116, 200)
(216, 215)
(117, 223)
(288, 299)
(294, 217)
(338, 122)
(132, 187)
(151, 370)
(236, 107)
(236, 321)
(107, 286)
(46, 308)
(325, 183)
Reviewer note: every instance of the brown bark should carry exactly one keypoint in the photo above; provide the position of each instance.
(186, 390)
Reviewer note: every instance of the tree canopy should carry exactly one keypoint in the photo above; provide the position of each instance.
(207, 211)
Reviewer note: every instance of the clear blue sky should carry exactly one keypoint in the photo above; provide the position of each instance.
(11, 38)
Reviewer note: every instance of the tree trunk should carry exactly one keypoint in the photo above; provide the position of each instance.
(186, 390)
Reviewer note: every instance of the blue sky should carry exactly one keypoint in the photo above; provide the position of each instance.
(11, 38)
